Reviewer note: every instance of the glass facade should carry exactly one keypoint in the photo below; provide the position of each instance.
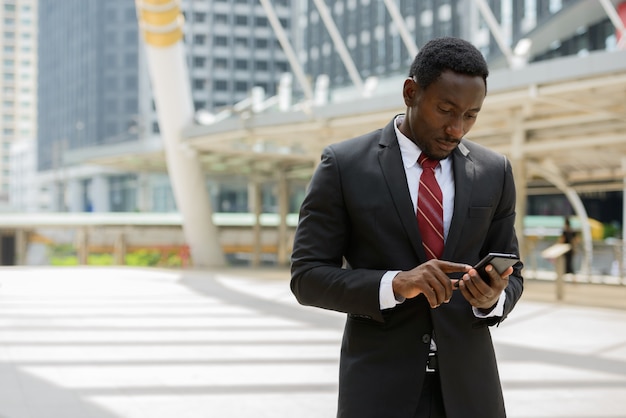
(95, 91)
(375, 45)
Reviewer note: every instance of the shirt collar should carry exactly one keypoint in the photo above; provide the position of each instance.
(408, 149)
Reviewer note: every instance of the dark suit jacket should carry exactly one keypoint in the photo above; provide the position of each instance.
(358, 209)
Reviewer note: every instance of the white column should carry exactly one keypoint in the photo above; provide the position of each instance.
(283, 210)
(100, 194)
(161, 23)
(74, 195)
(144, 193)
(519, 172)
(255, 204)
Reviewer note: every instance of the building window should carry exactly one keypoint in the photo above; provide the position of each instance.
(260, 65)
(198, 62)
(241, 86)
(241, 42)
(220, 18)
(241, 64)
(199, 39)
(199, 83)
(220, 85)
(199, 17)
(260, 43)
(220, 41)
(241, 20)
(130, 59)
(220, 63)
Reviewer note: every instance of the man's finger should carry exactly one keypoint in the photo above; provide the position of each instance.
(450, 267)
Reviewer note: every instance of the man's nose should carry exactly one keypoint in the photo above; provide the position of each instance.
(455, 128)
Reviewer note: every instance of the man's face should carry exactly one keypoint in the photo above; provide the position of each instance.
(439, 116)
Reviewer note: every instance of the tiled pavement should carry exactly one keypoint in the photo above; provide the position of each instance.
(135, 343)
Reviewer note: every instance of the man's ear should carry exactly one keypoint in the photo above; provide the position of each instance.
(410, 92)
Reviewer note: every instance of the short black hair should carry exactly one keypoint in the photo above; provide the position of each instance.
(447, 53)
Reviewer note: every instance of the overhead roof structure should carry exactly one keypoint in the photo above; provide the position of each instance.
(570, 111)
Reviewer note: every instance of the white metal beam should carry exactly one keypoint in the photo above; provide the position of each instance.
(400, 24)
(496, 31)
(616, 20)
(340, 45)
(279, 31)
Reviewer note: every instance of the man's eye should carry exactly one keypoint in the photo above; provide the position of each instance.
(471, 116)
(444, 110)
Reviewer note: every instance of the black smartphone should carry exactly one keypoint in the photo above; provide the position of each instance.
(500, 261)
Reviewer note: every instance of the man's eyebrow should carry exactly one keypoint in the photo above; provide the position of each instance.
(451, 103)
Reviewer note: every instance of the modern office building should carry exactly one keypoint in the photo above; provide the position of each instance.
(18, 54)
(95, 96)
(374, 40)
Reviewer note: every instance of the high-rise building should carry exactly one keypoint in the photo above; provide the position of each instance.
(376, 47)
(95, 95)
(18, 54)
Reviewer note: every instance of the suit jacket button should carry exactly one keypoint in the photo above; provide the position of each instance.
(426, 339)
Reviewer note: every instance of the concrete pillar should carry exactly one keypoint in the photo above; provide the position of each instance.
(256, 202)
(100, 193)
(82, 246)
(21, 246)
(119, 249)
(283, 211)
(144, 193)
(74, 196)
(518, 162)
(559, 264)
(162, 22)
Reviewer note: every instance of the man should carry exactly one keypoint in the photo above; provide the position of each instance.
(414, 345)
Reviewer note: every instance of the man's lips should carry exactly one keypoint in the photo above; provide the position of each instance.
(448, 145)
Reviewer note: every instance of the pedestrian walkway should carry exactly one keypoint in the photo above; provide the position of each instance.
(134, 343)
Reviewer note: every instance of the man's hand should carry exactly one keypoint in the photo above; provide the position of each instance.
(430, 279)
(480, 294)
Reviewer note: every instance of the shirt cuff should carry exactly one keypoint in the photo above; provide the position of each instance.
(498, 310)
(385, 296)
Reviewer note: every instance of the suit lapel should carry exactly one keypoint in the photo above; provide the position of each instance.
(463, 168)
(391, 164)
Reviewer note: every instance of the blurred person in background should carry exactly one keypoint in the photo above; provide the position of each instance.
(568, 236)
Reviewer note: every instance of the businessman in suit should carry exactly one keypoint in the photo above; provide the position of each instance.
(416, 340)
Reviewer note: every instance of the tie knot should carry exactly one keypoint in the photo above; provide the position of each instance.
(426, 162)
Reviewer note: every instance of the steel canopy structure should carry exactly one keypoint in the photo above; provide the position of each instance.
(570, 112)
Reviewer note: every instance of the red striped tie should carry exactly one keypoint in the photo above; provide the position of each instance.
(430, 209)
